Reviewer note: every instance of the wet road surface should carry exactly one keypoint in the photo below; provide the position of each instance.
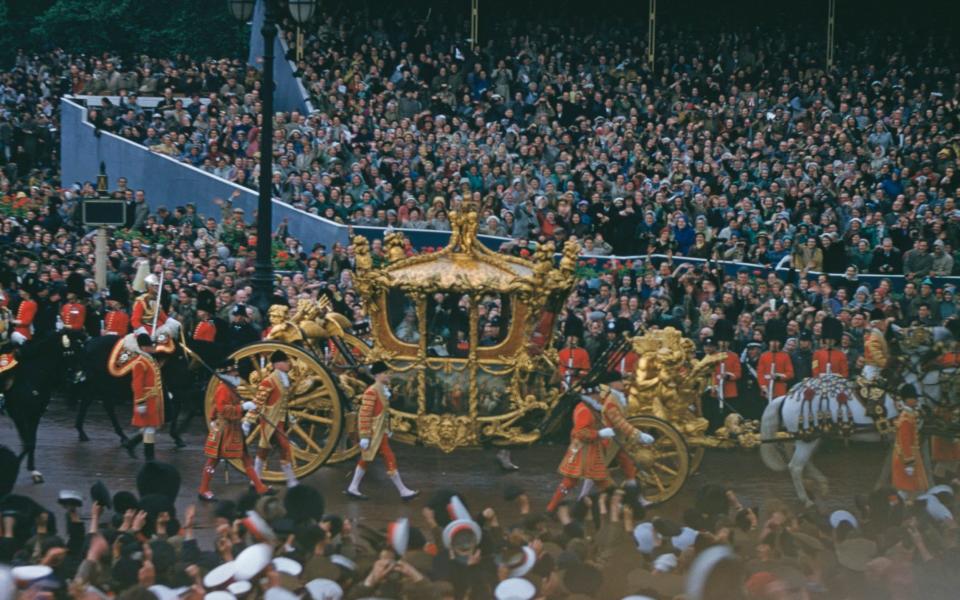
(68, 464)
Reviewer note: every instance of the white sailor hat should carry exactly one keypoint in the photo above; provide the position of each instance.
(324, 589)
(515, 588)
(840, 516)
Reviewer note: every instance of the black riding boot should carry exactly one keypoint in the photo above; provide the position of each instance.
(148, 453)
(131, 445)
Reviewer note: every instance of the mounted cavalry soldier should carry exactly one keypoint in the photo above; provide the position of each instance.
(144, 317)
(226, 439)
(116, 320)
(828, 360)
(373, 424)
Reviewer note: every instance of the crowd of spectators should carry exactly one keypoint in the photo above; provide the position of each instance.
(137, 546)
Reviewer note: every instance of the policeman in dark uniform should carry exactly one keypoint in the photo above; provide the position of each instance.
(242, 331)
(802, 357)
(749, 388)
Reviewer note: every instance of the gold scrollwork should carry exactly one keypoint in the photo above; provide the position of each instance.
(447, 432)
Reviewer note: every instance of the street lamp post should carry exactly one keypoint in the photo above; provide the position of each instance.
(301, 11)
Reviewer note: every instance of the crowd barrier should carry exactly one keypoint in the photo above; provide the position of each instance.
(289, 93)
(168, 182)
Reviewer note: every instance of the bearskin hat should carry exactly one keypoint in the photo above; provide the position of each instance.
(774, 331)
(118, 292)
(76, 284)
(831, 329)
(723, 330)
(206, 301)
(160, 479)
(572, 326)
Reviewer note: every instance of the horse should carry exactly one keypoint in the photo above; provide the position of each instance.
(29, 386)
(832, 396)
(99, 384)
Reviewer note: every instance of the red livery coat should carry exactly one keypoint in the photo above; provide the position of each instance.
(225, 439)
(946, 450)
(147, 391)
(829, 356)
(906, 453)
(627, 364)
(585, 457)
(784, 367)
(25, 314)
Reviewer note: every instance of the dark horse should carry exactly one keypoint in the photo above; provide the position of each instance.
(98, 384)
(29, 386)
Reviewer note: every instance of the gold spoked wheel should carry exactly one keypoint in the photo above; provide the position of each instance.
(315, 411)
(662, 467)
(347, 448)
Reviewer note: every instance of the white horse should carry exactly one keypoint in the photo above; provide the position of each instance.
(831, 395)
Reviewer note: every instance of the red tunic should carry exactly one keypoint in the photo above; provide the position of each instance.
(585, 455)
(141, 310)
(574, 364)
(25, 314)
(225, 439)
(906, 453)
(205, 331)
(148, 391)
(73, 315)
(835, 358)
(731, 367)
(116, 322)
(765, 369)
(627, 364)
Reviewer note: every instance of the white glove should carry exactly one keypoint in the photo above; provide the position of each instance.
(18, 338)
(607, 433)
(644, 438)
(909, 471)
(248, 406)
(245, 427)
(140, 330)
(364, 443)
(142, 409)
(59, 324)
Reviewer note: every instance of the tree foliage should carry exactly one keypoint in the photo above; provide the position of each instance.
(126, 27)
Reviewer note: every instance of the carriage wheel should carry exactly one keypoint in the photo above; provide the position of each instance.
(347, 448)
(663, 466)
(315, 410)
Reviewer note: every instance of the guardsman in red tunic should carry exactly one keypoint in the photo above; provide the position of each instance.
(574, 361)
(147, 391)
(373, 425)
(774, 369)
(143, 308)
(225, 439)
(23, 322)
(206, 330)
(908, 473)
(829, 360)
(944, 451)
(116, 321)
(723, 393)
(73, 313)
(271, 412)
(586, 455)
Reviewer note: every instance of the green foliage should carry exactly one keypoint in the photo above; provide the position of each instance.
(199, 28)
